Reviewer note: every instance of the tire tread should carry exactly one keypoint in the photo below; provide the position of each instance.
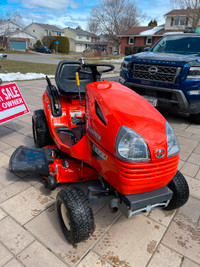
(80, 213)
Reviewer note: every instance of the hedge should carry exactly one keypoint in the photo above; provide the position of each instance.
(63, 47)
(127, 50)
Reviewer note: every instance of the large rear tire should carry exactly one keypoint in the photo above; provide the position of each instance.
(75, 214)
(40, 128)
(180, 190)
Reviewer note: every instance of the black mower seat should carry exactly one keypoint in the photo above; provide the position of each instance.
(66, 80)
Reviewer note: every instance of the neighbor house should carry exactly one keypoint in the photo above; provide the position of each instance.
(139, 37)
(79, 39)
(178, 19)
(136, 38)
(12, 36)
(39, 30)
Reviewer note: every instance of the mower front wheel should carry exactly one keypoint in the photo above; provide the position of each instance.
(51, 182)
(41, 132)
(75, 214)
(180, 190)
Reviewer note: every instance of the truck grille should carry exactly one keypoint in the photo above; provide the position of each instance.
(155, 72)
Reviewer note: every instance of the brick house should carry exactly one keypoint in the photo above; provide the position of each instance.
(136, 38)
(140, 36)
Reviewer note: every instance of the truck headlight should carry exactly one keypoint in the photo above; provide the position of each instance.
(125, 65)
(172, 143)
(130, 146)
(194, 73)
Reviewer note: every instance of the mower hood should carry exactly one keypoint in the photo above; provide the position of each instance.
(111, 105)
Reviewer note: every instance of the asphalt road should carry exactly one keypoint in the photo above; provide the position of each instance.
(42, 58)
(35, 58)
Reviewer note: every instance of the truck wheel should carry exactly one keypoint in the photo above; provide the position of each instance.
(195, 118)
(75, 215)
(180, 190)
(40, 128)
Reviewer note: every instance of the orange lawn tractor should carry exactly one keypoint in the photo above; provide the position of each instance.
(93, 129)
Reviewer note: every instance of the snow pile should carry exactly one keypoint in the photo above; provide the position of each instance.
(168, 33)
(114, 60)
(152, 31)
(17, 76)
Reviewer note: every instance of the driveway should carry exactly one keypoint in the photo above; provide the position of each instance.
(30, 234)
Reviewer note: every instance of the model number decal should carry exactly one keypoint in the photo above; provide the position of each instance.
(95, 134)
(48, 104)
(99, 152)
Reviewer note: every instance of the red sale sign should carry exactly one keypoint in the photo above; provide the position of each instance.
(12, 104)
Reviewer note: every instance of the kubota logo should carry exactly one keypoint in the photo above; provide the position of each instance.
(160, 153)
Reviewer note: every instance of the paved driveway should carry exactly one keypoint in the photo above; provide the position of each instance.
(30, 234)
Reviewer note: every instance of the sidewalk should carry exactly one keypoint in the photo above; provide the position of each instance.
(30, 234)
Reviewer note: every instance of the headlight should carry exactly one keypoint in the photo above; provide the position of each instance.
(125, 65)
(130, 146)
(172, 143)
(194, 73)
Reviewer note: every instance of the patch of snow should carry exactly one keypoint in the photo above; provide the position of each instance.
(152, 31)
(168, 33)
(113, 60)
(17, 76)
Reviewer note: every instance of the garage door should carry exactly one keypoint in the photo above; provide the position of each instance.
(80, 47)
(18, 45)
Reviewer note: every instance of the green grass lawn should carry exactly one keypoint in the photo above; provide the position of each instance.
(92, 60)
(25, 67)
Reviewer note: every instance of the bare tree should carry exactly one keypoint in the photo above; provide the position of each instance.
(113, 17)
(192, 10)
(6, 20)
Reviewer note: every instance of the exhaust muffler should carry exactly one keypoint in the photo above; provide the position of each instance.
(113, 205)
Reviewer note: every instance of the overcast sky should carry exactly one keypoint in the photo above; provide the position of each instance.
(64, 13)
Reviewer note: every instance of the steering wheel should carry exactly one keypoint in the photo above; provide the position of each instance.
(93, 67)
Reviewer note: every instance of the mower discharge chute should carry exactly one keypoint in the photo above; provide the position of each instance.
(102, 130)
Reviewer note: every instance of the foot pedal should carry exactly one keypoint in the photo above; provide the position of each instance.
(31, 160)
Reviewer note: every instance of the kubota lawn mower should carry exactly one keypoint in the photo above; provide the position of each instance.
(101, 130)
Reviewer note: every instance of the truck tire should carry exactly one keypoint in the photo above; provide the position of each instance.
(40, 128)
(180, 190)
(75, 214)
(195, 118)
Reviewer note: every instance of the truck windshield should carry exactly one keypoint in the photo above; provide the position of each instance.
(178, 45)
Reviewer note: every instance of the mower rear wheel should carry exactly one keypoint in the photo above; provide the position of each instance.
(180, 190)
(40, 128)
(75, 214)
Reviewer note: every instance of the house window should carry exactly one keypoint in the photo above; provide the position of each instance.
(149, 40)
(88, 37)
(131, 40)
(80, 37)
(58, 33)
(48, 32)
(180, 21)
(176, 21)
